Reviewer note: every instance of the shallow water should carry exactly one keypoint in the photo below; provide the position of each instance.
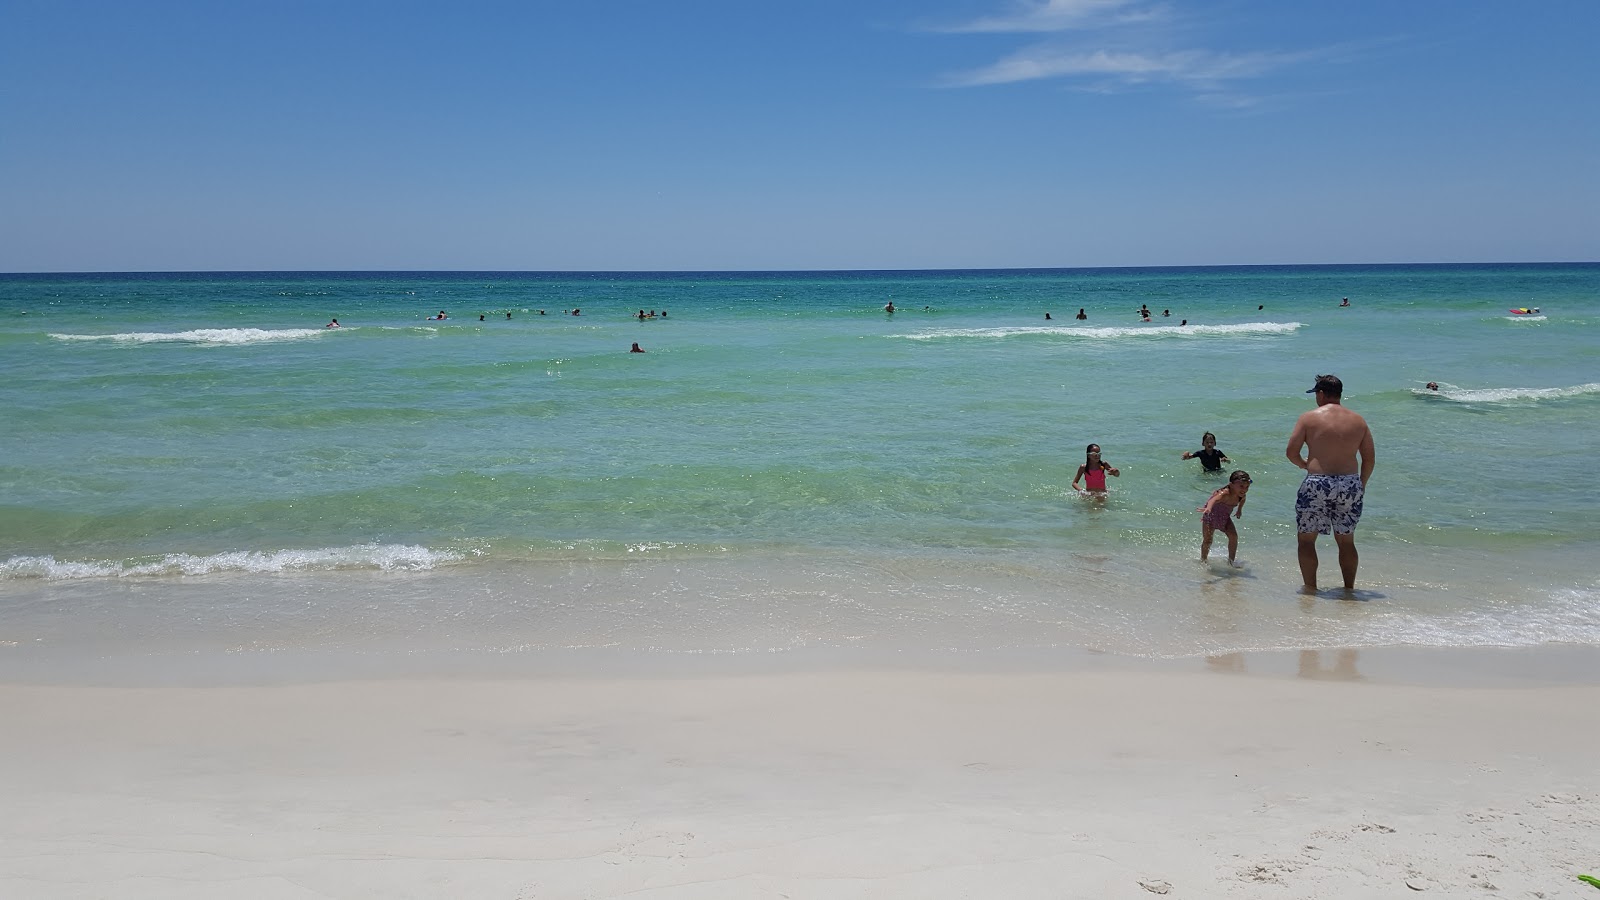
(193, 462)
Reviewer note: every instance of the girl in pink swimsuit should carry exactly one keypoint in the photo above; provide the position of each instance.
(1093, 471)
(1214, 515)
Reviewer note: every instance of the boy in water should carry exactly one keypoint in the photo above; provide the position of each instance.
(1215, 515)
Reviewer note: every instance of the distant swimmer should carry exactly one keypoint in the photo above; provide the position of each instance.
(1214, 516)
(480, 317)
(541, 312)
(636, 348)
(1082, 316)
(1165, 313)
(1183, 323)
(1345, 302)
(1093, 471)
(1047, 317)
(333, 324)
(641, 315)
(1144, 311)
(441, 315)
(1433, 385)
(1338, 462)
(508, 315)
(889, 307)
(1261, 307)
(1211, 459)
(576, 310)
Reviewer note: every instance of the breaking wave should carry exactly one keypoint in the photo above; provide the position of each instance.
(382, 557)
(214, 336)
(1109, 333)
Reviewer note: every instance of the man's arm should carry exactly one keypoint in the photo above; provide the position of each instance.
(1368, 457)
(1297, 440)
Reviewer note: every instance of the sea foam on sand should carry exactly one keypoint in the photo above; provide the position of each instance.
(1093, 784)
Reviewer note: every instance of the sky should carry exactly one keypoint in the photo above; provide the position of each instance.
(261, 135)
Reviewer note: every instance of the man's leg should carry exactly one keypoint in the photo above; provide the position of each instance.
(1349, 559)
(1308, 561)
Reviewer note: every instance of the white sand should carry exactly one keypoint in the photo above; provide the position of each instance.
(803, 785)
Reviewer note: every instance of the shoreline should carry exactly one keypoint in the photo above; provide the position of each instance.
(1549, 665)
(1089, 783)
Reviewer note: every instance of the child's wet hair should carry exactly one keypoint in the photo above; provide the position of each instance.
(1239, 475)
(1208, 435)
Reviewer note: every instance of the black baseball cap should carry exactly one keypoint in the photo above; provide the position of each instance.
(1328, 384)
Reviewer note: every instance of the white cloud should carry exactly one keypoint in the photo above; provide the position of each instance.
(1056, 15)
(1120, 44)
(1195, 67)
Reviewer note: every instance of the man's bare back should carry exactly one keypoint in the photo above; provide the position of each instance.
(1334, 437)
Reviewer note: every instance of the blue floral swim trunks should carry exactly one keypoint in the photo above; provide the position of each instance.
(1328, 503)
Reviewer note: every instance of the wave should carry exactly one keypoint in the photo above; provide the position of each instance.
(214, 336)
(383, 557)
(1104, 333)
(1539, 318)
(1501, 395)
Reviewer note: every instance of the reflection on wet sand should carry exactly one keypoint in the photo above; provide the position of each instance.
(1226, 662)
(1341, 668)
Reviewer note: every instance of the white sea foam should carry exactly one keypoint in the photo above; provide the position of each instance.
(214, 336)
(1525, 318)
(1106, 333)
(1503, 395)
(384, 557)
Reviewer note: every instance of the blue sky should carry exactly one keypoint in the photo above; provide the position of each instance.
(704, 134)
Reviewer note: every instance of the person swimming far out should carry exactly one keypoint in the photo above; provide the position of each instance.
(440, 317)
(1082, 316)
(636, 348)
(1433, 385)
(1345, 302)
(332, 324)
(1047, 317)
(889, 307)
(1165, 313)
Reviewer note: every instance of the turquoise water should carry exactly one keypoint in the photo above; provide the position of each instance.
(194, 461)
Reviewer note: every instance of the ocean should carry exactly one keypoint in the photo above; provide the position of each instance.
(194, 466)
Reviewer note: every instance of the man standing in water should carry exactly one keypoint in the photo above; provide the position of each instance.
(1331, 495)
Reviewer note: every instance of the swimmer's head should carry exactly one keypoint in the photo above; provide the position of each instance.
(1208, 440)
(1241, 478)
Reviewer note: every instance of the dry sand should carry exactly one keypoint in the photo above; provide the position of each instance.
(1099, 784)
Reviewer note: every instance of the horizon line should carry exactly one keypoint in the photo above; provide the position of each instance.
(1362, 265)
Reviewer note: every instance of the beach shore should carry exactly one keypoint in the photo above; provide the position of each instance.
(1095, 783)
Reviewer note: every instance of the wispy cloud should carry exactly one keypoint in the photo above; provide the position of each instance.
(1112, 45)
(1057, 15)
(1198, 68)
